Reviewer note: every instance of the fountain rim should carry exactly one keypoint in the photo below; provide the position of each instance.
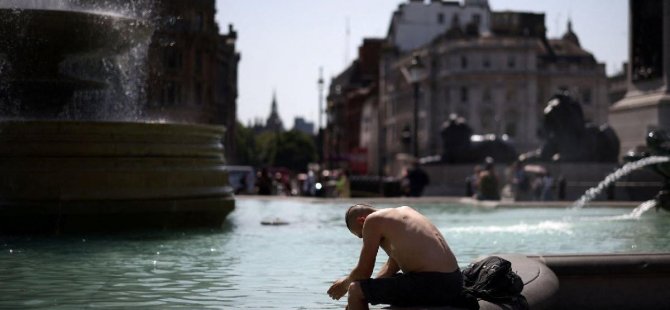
(64, 125)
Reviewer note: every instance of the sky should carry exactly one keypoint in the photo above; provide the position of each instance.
(284, 43)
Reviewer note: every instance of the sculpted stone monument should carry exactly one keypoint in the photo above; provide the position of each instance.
(646, 105)
(658, 144)
(569, 139)
(461, 146)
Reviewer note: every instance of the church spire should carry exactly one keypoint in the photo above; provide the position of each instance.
(274, 123)
(273, 108)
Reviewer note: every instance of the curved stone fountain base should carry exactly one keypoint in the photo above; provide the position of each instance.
(60, 176)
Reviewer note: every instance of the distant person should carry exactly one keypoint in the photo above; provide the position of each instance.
(537, 186)
(343, 185)
(520, 182)
(242, 189)
(547, 187)
(264, 182)
(471, 182)
(430, 274)
(309, 186)
(487, 183)
(417, 179)
(562, 184)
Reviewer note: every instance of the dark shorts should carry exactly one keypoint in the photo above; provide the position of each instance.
(415, 289)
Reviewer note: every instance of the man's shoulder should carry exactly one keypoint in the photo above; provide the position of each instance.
(381, 216)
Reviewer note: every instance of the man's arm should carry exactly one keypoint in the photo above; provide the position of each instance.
(372, 237)
(366, 262)
(390, 268)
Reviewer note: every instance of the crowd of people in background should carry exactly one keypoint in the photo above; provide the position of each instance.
(522, 183)
(316, 182)
(283, 182)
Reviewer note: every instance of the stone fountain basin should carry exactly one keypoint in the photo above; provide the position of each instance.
(35, 42)
(63, 175)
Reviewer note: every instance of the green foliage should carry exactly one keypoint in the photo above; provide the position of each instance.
(290, 149)
(247, 148)
(295, 150)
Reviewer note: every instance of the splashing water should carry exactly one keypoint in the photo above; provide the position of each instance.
(544, 227)
(616, 175)
(124, 74)
(132, 8)
(641, 209)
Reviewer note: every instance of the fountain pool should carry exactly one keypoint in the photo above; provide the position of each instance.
(248, 265)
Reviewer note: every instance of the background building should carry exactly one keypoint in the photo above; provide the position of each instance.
(349, 92)
(617, 84)
(498, 70)
(417, 22)
(302, 125)
(499, 81)
(193, 68)
(646, 105)
(273, 123)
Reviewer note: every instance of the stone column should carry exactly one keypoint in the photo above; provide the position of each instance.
(646, 105)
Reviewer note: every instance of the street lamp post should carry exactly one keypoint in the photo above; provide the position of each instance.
(319, 134)
(320, 84)
(414, 73)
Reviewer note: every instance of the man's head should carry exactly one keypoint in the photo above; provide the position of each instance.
(355, 217)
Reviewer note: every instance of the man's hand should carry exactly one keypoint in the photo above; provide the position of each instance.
(339, 288)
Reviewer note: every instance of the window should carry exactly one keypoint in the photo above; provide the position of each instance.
(586, 96)
(486, 95)
(455, 21)
(510, 129)
(511, 94)
(476, 19)
(487, 119)
(486, 61)
(511, 61)
(464, 94)
(440, 18)
(511, 124)
(464, 62)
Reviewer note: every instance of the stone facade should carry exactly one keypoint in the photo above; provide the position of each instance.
(225, 99)
(646, 105)
(499, 81)
(617, 84)
(348, 93)
(192, 68)
(417, 22)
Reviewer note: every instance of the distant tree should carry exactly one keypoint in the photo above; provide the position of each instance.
(289, 149)
(295, 150)
(267, 147)
(247, 146)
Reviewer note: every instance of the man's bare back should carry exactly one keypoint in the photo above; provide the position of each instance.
(413, 241)
(414, 245)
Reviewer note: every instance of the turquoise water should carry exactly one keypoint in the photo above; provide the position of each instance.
(247, 265)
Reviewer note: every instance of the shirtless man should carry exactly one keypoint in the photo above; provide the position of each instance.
(430, 274)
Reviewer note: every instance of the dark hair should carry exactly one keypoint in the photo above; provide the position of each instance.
(356, 208)
(346, 217)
